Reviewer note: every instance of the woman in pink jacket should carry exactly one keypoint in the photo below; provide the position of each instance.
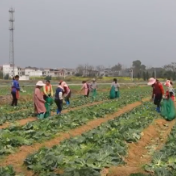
(66, 92)
(85, 87)
(39, 102)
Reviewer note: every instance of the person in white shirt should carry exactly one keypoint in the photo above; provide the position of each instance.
(93, 88)
(116, 87)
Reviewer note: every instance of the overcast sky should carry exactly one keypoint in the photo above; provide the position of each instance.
(65, 33)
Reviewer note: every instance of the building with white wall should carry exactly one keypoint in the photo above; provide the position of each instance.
(33, 72)
(8, 70)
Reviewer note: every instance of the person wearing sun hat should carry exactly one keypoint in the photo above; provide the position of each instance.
(39, 102)
(157, 93)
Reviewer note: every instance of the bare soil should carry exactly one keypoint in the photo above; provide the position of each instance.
(22, 122)
(154, 137)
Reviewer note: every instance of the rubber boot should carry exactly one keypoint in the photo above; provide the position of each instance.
(58, 112)
(41, 116)
(158, 109)
(67, 102)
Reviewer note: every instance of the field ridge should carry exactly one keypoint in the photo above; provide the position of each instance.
(17, 158)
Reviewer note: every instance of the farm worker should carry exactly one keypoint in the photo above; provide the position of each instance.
(15, 91)
(48, 89)
(59, 98)
(114, 92)
(67, 92)
(157, 93)
(39, 102)
(48, 94)
(93, 88)
(85, 88)
(170, 93)
(167, 106)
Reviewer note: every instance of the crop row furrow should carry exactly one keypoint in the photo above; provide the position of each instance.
(11, 117)
(38, 131)
(164, 161)
(101, 147)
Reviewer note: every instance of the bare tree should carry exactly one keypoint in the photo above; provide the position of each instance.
(170, 67)
(100, 68)
(80, 70)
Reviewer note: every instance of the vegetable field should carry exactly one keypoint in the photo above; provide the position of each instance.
(93, 137)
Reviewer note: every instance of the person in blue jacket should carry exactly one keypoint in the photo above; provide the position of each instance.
(59, 98)
(15, 91)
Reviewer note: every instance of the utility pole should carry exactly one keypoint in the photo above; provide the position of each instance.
(132, 74)
(11, 44)
(86, 70)
(155, 73)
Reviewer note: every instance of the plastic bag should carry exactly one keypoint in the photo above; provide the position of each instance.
(49, 101)
(117, 94)
(168, 109)
(112, 93)
(94, 93)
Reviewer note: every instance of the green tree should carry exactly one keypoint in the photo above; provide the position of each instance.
(137, 64)
(48, 78)
(139, 75)
(6, 76)
(143, 67)
(138, 68)
(117, 67)
(144, 76)
(153, 74)
(174, 76)
(1, 75)
(147, 75)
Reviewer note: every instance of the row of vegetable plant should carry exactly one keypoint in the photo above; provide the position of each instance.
(25, 105)
(36, 131)
(164, 161)
(102, 147)
(11, 117)
(7, 171)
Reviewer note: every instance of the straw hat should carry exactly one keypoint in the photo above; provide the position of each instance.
(93, 79)
(40, 83)
(151, 81)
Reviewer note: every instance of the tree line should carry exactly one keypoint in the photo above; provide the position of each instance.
(140, 71)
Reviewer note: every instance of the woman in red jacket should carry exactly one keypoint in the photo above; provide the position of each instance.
(157, 93)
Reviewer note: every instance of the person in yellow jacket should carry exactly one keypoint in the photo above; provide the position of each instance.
(48, 94)
(48, 90)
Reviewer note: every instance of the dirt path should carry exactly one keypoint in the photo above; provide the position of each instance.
(17, 158)
(154, 137)
(31, 119)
